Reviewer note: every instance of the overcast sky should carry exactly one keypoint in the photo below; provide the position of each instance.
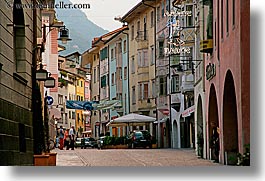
(102, 12)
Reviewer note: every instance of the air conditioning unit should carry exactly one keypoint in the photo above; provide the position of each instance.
(206, 46)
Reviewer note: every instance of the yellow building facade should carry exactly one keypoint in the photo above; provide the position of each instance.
(141, 23)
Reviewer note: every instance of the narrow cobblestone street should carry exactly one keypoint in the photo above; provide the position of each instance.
(130, 157)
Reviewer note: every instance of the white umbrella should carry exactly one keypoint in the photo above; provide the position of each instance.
(132, 119)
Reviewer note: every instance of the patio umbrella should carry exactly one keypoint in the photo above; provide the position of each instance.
(132, 120)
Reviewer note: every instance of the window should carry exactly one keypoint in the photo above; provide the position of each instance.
(60, 99)
(158, 13)
(73, 115)
(95, 75)
(132, 32)
(152, 18)
(70, 115)
(143, 91)
(124, 46)
(103, 81)
(81, 83)
(175, 83)
(145, 58)
(139, 57)
(125, 73)
(133, 65)
(133, 95)
(111, 54)
(161, 48)
(103, 53)
(140, 92)
(152, 55)
(115, 52)
(19, 37)
(98, 74)
(189, 19)
(163, 85)
(227, 16)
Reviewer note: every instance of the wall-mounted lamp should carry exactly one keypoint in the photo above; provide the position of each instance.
(49, 82)
(41, 74)
(64, 35)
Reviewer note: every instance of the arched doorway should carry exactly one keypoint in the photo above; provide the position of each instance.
(200, 135)
(213, 124)
(230, 124)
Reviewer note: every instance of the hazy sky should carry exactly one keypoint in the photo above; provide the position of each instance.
(102, 12)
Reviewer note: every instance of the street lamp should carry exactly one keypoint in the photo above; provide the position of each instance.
(64, 35)
(49, 82)
(41, 74)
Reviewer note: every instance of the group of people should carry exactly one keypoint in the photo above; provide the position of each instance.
(66, 138)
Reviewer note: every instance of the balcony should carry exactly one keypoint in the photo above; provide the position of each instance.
(206, 46)
(142, 39)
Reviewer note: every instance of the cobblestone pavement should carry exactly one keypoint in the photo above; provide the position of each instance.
(130, 157)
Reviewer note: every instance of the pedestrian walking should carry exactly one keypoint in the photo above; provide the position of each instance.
(61, 137)
(72, 137)
(215, 142)
(66, 139)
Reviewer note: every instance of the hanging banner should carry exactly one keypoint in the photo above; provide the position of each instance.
(92, 105)
(80, 105)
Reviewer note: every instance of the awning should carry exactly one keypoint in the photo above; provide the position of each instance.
(55, 114)
(164, 111)
(188, 111)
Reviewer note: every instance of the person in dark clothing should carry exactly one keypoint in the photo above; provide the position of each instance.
(215, 142)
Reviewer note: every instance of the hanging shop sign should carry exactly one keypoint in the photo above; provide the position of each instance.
(210, 71)
(188, 111)
(176, 45)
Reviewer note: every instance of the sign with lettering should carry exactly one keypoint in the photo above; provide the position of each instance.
(175, 29)
(210, 71)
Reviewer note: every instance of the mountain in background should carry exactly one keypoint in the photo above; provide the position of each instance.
(81, 30)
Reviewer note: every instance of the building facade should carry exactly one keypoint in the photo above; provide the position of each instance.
(19, 51)
(226, 47)
(140, 21)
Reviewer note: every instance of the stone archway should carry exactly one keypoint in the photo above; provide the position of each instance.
(213, 121)
(200, 135)
(230, 123)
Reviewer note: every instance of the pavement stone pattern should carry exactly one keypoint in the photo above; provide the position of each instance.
(130, 157)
